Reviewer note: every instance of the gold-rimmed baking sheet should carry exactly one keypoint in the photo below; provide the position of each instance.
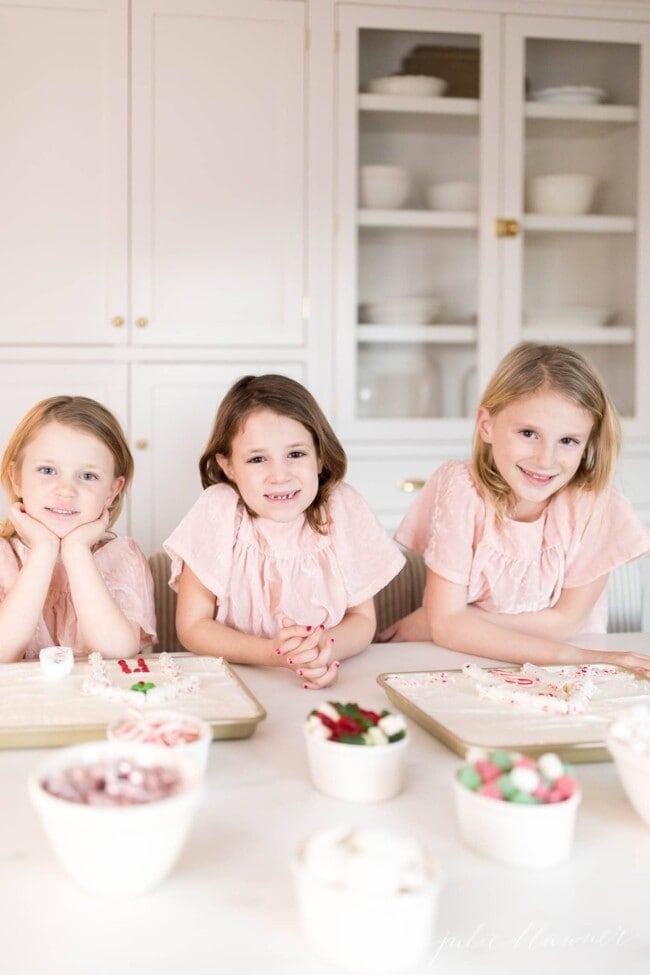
(36, 712)
(452, 711)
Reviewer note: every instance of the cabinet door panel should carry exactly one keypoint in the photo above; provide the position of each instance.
(173, 411)
(63, 169)
(218, 155)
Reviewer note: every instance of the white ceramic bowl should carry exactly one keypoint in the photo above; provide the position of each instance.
(364, 929)
(562, 193)
(361, 773)
(117, 851)
(409, 310)
(418, 85)
(141, 728)
(513, 833)
(566, 316)
(458, 195)
(384, 187)
(634, 772)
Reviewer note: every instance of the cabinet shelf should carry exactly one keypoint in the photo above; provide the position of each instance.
(592, 223)
(581, 335)
(616, 114)
(418, 219)
(418, 105)
(406, 334)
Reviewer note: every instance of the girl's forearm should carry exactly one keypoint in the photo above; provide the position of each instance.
(210, 638)
(473, 632)
(102, 624)
(21, 609)
(352, 634)
(551, 624)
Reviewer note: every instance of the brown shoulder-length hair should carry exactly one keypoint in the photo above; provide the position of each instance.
(530, 368)
(286, 397)
(83, 414)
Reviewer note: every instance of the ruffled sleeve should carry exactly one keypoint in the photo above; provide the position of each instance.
(367, 558)
(127, 575)
(607, 535)
(444, 522)
(205, 538)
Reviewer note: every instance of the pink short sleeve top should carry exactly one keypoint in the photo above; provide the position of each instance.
(261, 571)
(520, 567)
(125, 571)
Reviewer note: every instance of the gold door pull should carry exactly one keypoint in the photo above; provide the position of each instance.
(142, 444)
(142, 322)
(506, 228)
(410, 484)
(118, 321)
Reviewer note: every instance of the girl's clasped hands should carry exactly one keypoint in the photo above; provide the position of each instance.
(307, 650)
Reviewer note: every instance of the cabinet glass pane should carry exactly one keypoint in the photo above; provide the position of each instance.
(417, 224)
(581, 153)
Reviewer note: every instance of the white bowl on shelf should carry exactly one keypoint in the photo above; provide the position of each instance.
(569, 95)
(568, 316)
(384, 187)
(407, 310)
(562, 193)
(415, 85)
(459, 195)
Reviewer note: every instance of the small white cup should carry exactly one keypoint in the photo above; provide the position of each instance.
(383, 932)
(197, 751)
(117, 851)
(361, 773)
(514, 833)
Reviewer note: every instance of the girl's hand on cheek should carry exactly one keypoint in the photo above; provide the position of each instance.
(33, 533)
(85, 536)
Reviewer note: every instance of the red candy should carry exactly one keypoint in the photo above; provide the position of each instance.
(487, 770)
(490, 789)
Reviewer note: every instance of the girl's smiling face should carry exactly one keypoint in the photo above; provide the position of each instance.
(274, 464)
(65, 478)
(537, 443)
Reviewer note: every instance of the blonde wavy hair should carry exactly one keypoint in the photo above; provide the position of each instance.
(78, 412)
(530, 368)
(286, 397)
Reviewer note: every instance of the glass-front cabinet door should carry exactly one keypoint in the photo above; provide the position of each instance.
(418, 111)
(492, 186)
(574, 260)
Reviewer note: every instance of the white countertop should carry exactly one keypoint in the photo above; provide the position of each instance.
(228, 906)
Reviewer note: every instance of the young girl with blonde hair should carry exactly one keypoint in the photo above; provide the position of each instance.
(519, 543)
(278, 561)
(65, 579)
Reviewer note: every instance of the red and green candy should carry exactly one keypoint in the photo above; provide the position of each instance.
(513, 777)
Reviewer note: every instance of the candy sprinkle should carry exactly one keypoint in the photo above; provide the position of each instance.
(511, 777)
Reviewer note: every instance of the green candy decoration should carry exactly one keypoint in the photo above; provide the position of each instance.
(501, 759)
(524, 798)
(507, 789)
(142, 686)
(470, 778)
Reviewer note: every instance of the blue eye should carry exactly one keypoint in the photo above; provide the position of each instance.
(568, 440)
(46, 470)
(89, 476)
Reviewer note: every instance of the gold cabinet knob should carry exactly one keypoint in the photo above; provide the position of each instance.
(410, 484)
(142, 444)
(506, 228)
(141, 322)
(118, 321)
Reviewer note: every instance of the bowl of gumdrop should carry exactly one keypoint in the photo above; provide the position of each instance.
(517, 809)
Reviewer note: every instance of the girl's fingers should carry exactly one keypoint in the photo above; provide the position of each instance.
(328, 677)
(287, 646)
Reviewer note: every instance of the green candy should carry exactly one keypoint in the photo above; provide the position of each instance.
(507, 789)
(470, 778)
(501, 759)
(524, 798)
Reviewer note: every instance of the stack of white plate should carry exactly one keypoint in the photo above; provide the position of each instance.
(567, 316)
(569, 95)
(417, 85)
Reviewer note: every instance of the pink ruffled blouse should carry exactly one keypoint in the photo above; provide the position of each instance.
(261, 571)
(125, 571)
(521, 567)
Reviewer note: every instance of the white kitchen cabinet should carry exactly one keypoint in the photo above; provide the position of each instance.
(173, 409)
(218, 172)
(63, 171)
(501, 272)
